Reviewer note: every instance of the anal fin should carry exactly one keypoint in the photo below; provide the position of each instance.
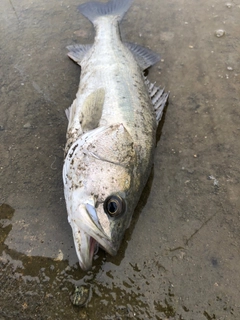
(78, 51)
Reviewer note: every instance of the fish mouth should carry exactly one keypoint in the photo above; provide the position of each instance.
(88, 235)
(85, 247)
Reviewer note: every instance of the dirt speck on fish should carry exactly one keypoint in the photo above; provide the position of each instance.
(111, 133)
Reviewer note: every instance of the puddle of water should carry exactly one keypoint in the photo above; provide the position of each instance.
(180, 257)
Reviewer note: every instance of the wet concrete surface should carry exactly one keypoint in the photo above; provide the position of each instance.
(180, 257)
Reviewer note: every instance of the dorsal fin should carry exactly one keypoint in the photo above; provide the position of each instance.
(159, 98)
(144, 57)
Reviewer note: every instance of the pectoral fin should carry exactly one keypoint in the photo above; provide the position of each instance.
(92, 110)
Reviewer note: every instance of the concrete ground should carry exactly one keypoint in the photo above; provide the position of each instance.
(180, 258)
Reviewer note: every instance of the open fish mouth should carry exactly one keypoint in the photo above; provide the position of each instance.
(88, 235)
(85, 248)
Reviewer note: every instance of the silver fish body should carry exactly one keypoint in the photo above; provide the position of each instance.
(111, 133)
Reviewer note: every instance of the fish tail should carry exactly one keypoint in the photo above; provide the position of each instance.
(93, 10)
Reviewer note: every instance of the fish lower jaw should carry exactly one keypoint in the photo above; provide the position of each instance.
(86, 251)
(86, 257)
(89, 247)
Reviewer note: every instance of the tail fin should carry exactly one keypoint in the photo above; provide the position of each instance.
(92, 10)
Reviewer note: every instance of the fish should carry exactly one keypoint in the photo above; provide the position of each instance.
(111, 134)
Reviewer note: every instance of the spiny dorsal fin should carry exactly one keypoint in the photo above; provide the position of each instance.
(144, 57)
(159, 98)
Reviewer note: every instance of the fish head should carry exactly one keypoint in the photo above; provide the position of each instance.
(99, 186)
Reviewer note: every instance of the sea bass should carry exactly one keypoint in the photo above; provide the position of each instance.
(111, 133)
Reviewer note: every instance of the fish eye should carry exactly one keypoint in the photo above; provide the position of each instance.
(114, 205)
